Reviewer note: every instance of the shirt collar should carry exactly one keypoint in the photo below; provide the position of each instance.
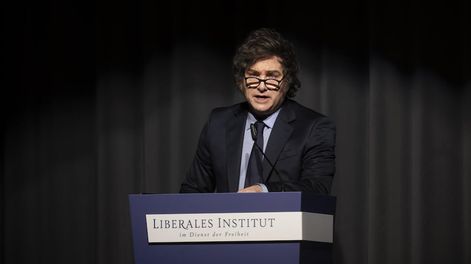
(269, 121)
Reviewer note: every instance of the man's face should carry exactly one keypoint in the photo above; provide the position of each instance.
(262, 100)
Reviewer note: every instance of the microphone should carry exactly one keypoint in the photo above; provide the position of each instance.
(253, 133)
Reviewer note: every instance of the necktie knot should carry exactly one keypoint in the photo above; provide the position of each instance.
(259, 126)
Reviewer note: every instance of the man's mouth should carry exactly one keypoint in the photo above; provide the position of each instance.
(261, 98)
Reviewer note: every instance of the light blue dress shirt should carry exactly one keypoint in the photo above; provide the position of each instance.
(248, 144)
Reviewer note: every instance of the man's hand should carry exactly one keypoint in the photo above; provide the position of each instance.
(253, 188)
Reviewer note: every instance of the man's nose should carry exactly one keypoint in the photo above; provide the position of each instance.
(262, 87)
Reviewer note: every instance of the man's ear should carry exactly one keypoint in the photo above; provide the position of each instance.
(241, 87)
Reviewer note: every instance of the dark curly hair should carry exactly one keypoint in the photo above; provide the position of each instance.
(262, 44)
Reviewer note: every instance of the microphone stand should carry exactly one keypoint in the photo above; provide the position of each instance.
(253, 131)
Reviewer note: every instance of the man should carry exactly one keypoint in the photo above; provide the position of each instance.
(268, 143)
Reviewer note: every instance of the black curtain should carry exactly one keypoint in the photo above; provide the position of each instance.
(104, 99)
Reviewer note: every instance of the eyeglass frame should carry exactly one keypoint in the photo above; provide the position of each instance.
(265, 82)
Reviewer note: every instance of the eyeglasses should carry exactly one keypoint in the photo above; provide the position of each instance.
(271, 84)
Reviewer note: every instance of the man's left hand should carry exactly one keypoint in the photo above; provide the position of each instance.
(253, 188)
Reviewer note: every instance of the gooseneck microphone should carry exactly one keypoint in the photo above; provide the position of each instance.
(253, 132)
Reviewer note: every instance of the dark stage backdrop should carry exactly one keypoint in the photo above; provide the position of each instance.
(104, 99)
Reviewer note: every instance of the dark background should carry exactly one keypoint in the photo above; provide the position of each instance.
(104, 99)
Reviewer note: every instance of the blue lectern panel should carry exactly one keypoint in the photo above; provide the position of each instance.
(243, 252)
(227, 253)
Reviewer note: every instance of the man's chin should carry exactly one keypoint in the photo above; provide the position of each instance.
(262, 111)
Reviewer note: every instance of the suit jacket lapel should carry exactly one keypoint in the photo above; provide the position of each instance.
(234, 141)
(278, 137)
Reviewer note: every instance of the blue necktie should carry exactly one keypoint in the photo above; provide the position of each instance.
(254, 168)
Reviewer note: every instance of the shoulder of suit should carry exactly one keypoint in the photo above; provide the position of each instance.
(302, 111)
(228, 111)
(306, 117)
(222, 116)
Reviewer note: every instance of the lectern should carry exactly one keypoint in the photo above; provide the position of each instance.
(285, 227)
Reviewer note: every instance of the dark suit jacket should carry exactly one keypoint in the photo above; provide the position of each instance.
(301, 147)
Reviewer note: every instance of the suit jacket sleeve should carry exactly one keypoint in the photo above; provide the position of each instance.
(200, 177)
(316, 160)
